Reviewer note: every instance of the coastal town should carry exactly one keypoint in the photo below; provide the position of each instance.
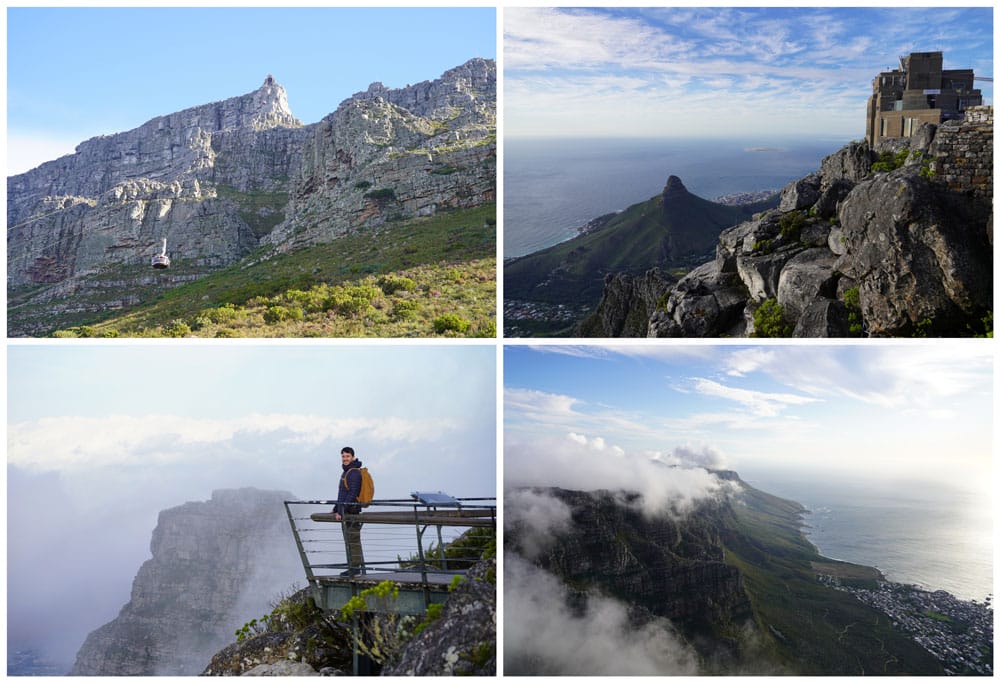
(959, 633)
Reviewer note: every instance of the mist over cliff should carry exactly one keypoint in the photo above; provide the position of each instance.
(215, 565)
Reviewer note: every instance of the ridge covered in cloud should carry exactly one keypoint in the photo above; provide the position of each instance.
(543, 636)
(671, 484)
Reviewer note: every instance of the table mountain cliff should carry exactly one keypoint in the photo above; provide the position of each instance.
(222, 180)
(215, 565)
(730, 587)
(889, 242)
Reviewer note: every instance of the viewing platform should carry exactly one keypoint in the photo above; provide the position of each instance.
(395, 547)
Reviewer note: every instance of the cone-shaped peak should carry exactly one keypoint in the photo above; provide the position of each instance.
(674, 189)
(674, 184)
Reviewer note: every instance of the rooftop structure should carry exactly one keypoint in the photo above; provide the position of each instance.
(919, 91)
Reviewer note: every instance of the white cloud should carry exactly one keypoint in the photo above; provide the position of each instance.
(760, 403)
(746, 361)
(83, 443)
(539, 404)
(543, 636)
(537, 517)
(587, 463)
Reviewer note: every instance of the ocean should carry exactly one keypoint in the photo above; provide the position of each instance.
(915, 533)
(552, 187)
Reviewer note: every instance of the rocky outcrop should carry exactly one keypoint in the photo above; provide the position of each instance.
(220, 180)
(460, 641)
(463, 641)
(215, 565)
(913, 246)
(626, 305)
(384, 155)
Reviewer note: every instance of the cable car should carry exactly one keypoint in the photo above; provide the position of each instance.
(161, 260)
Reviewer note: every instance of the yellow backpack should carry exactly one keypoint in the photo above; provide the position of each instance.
(367, 486)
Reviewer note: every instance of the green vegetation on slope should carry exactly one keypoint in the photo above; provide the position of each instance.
(423, 277)
(813, 629)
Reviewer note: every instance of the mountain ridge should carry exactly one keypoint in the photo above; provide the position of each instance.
(220, 181)
(762, 609)
(674, 229)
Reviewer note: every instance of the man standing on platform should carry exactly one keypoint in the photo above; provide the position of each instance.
(348, 509)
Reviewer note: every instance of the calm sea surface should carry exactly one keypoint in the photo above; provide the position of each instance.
(552, 187)
(914, 533)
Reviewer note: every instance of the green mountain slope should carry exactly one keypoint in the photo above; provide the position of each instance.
(811, 628)
(422, 277)
(674, 230)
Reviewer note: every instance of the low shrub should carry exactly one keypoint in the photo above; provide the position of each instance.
(449, 322)
(769, 320)
(390, 284)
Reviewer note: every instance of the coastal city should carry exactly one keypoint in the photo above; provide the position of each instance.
(959, 633)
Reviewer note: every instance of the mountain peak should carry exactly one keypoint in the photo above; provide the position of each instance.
(270, 106)
(674, 184)
(673, 190)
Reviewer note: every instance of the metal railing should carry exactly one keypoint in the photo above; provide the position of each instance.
(393, 538)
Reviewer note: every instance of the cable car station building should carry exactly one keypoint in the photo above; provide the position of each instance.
(920, 91)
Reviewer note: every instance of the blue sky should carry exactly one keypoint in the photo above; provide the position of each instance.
(718, 72)
(73, 73)
(893, 411)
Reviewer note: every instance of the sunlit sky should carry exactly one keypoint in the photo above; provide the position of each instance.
(73, 73)
(719, 72)
(898, 411)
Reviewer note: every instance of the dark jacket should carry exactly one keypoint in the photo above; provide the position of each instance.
(348, 489)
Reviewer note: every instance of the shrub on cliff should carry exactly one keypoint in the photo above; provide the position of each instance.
(769, 320)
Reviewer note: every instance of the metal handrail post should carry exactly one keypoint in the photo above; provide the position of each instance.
(310, 577)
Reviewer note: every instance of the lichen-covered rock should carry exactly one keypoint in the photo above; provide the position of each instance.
(917, 254)
(916, 243)
(705, 303)
(800, 194)
(831, 196)
(823, 318)
(852, 162)
(282, 668)
(760, 272)
(805, 277)
(463, 640)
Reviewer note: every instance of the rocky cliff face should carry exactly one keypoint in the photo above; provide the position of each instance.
(215, 565)
(910, 250)
(384, 155)
(626, 304)
(222, 179)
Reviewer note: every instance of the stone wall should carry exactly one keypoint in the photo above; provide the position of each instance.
(963, 153)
